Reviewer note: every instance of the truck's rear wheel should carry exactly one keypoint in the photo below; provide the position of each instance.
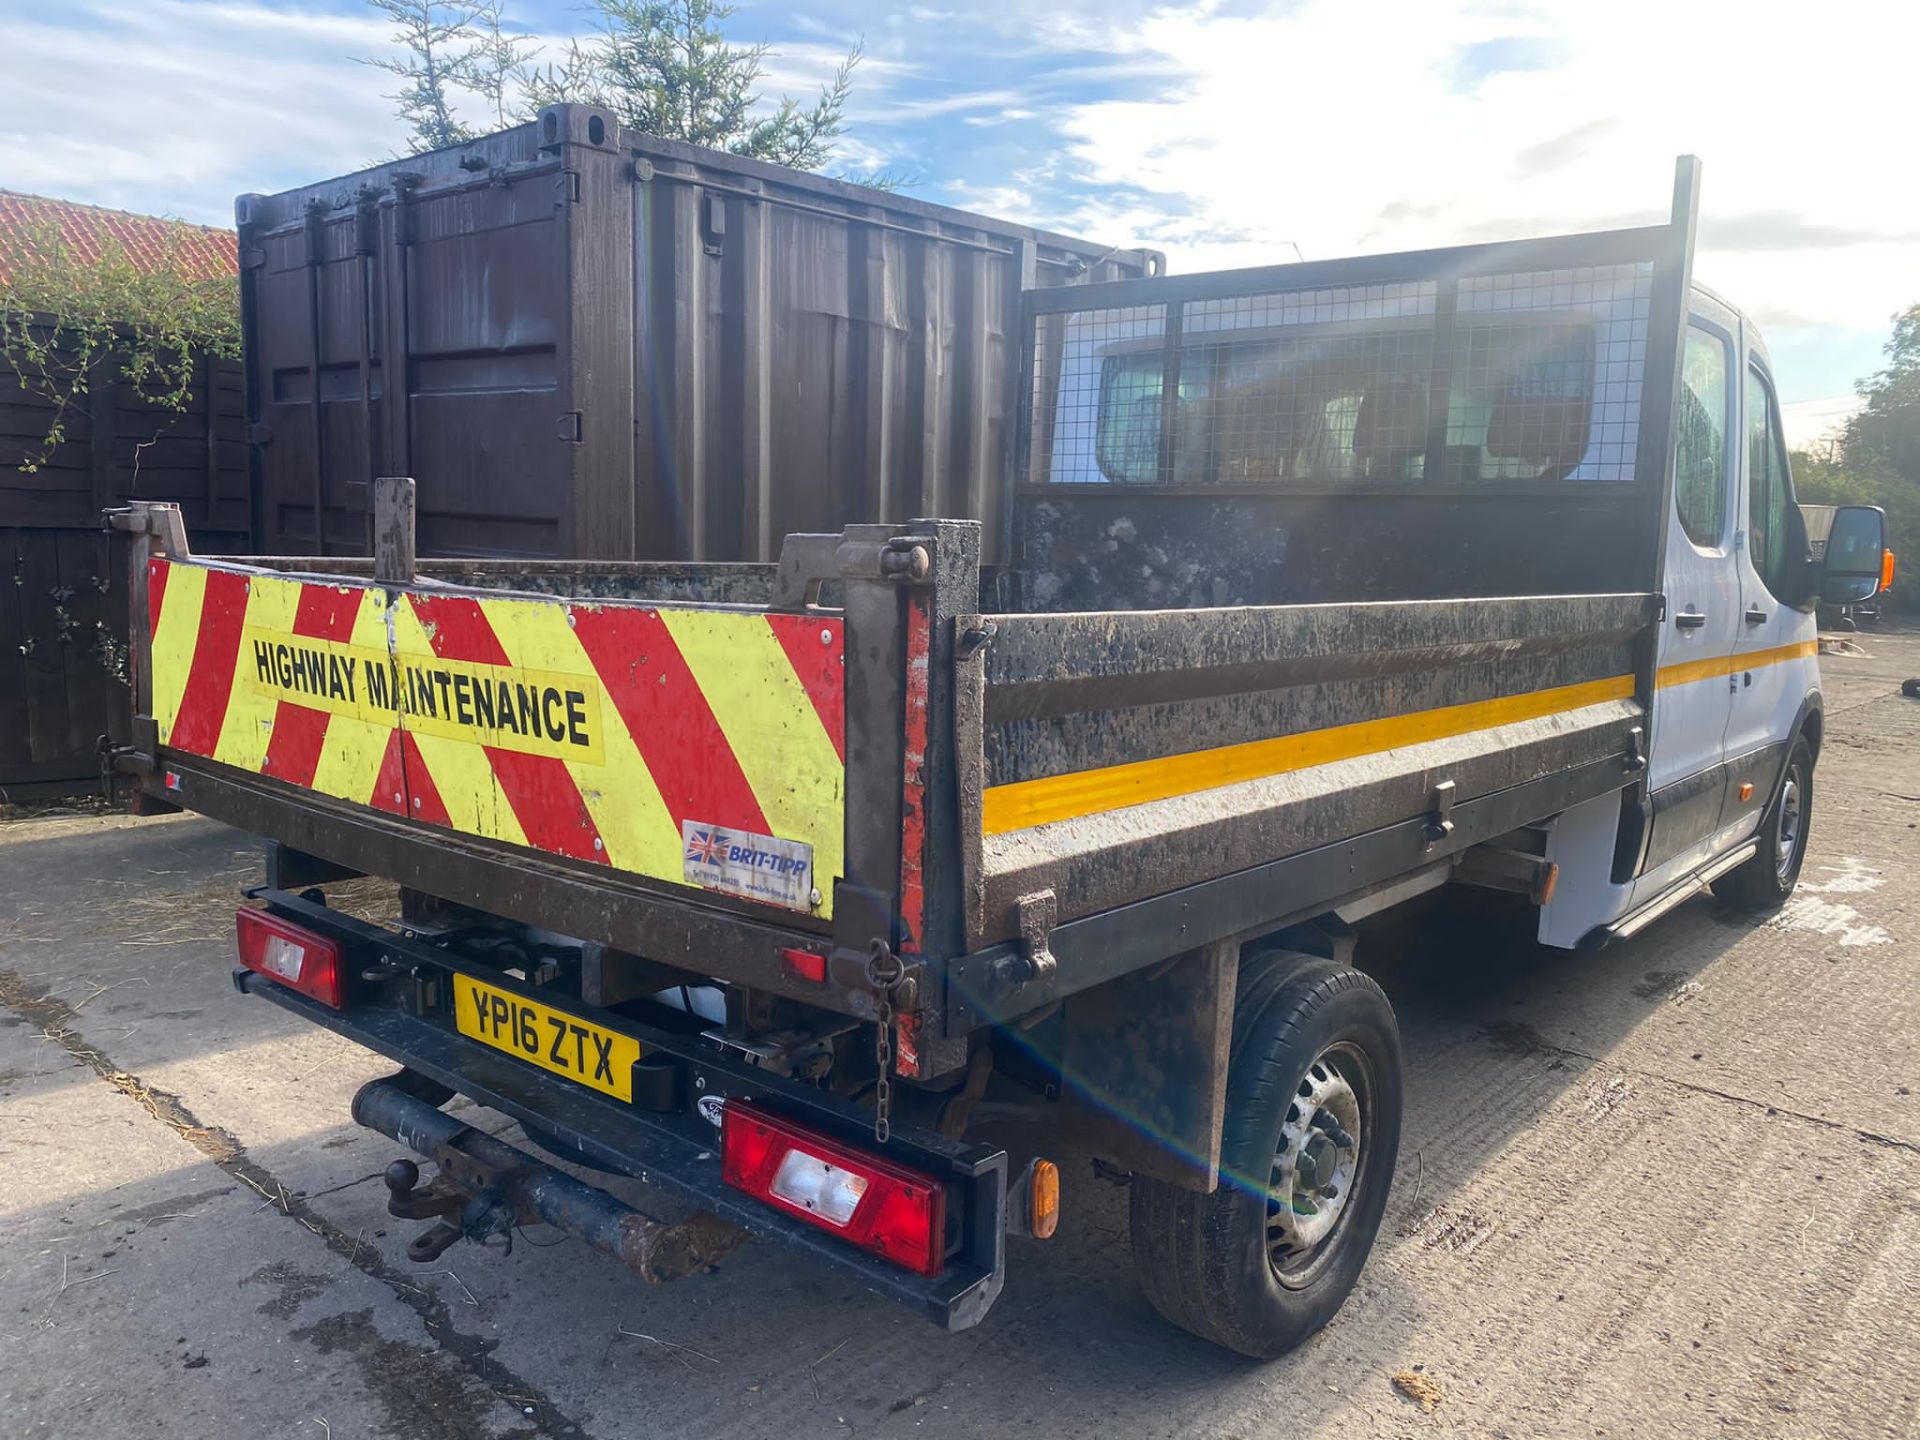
(1764, 882)
(1306, 1160)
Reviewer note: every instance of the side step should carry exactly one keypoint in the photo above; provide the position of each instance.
(1634, 921)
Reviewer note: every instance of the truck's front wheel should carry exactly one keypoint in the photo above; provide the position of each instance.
(1766, 881)
(1306, 1160)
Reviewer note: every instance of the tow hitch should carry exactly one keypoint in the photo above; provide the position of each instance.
(486, 1187)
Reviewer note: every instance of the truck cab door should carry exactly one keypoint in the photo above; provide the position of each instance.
(1775, 669)
(1692, 700)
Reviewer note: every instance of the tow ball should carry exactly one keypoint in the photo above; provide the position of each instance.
(482, 1215)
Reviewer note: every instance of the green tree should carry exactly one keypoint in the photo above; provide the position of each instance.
(438, 39)
(664, 67)
(1886, 432)
(496, 59)
(1877, 458)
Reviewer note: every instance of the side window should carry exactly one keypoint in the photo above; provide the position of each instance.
(1700, 439)
(1127, 443)
(1768, 489)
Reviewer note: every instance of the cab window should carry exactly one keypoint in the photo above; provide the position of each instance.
(1127, 442)
(1700, 438)
(1769, 491)
(1350, 402)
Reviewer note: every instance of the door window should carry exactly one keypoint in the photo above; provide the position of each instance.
(1700, 442)
(1769, 491)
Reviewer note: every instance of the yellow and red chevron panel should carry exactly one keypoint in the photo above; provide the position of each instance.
(699, 746)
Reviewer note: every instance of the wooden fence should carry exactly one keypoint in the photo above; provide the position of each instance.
(59, 670)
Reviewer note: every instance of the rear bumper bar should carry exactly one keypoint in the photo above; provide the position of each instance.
(671, 1144)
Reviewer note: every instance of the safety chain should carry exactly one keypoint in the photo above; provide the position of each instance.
(885, 972)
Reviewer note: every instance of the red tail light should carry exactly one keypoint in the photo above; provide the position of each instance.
(808, 965)
(896, 1213)
(297, 958)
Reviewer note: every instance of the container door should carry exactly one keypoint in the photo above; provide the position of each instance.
(1702, 585)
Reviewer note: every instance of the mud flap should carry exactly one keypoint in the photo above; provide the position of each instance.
(1145, 1066)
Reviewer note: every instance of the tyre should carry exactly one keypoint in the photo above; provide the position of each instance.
(1306, 1159)
(1764, 882)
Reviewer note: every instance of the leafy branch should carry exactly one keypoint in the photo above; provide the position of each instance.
(438, 41)
(69, 322)
(663, 67)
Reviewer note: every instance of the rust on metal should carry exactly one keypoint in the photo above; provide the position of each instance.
(658, 1252)
(485, 1188)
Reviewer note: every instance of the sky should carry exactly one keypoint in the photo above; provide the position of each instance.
(1223, 133)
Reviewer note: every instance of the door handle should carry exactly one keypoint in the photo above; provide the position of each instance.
(1756, 616)
(1689, 620)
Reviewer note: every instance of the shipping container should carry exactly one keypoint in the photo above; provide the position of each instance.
(590, 343)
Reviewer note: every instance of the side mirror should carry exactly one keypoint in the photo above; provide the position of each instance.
(1853, 560)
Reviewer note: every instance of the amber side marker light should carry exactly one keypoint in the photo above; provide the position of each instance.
(1043, 1199)
(1746, 791)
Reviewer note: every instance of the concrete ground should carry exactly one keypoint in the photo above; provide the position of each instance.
(1671, 1189)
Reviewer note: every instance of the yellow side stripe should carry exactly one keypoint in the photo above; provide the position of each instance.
(1714, 666)
(1088, 792)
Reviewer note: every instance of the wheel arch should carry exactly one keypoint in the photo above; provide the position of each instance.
(1811, 722)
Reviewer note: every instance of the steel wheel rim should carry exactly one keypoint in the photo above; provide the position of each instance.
(1315, 1178)
(1786, 840)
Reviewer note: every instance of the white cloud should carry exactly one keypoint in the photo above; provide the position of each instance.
(176, 106)
(1349, 126)
(801, 68)
(1341, 125)
(926, 107)
(167, 104)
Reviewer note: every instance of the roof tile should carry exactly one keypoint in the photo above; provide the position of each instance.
(88, 229)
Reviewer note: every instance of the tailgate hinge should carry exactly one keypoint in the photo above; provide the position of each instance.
(1440, 813)
(1035, 960)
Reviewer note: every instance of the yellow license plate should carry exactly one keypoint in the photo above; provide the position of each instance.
(552, 1039)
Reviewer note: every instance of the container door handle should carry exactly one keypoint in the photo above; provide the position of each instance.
(1689, 620)
(1756, 616)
